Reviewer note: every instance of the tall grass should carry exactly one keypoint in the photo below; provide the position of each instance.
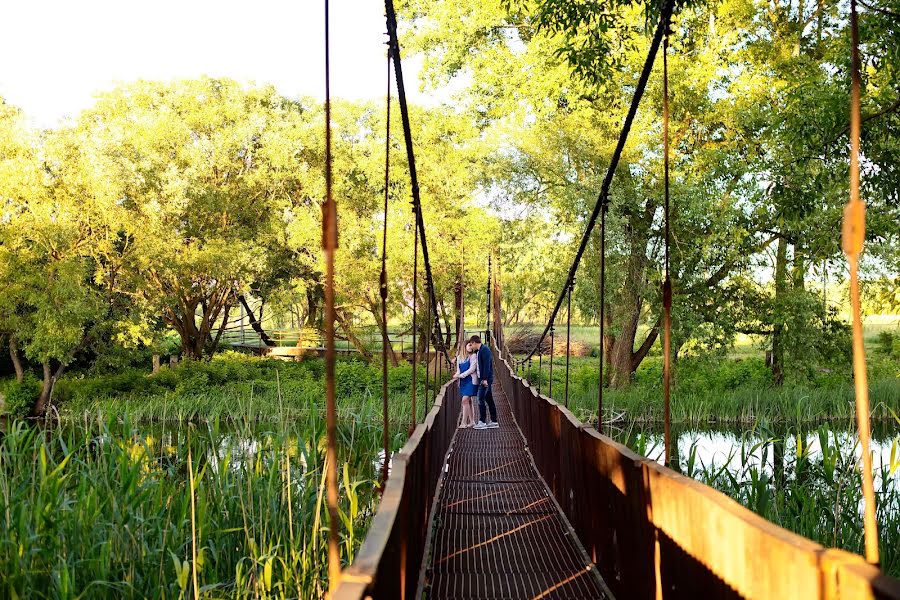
(202, 480)
(727, 391)
(103, 509)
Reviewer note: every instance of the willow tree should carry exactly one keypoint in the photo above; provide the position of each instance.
(209, 173)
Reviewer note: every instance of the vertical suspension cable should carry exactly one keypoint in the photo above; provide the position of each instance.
(487, 331)
(552, 335)
(391, 19)
(329, 245)
(427, 351)
(568, 336)
(667, 283)
(415, 347)
(601, 351)
(540, 370)
(385, 341)
(854, 232)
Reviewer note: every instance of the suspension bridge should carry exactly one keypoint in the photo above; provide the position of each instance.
(546, 506)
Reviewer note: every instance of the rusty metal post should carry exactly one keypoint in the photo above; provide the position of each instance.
(487, 331)
(383, 286)
(329, 245)
(854, 233)
(602, 350)
(415, 348)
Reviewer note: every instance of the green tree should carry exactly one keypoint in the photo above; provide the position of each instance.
(208, 174)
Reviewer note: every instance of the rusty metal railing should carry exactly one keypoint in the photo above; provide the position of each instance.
(390, 559)
(655, 533)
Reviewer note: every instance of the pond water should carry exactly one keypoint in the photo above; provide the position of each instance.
(762, 447)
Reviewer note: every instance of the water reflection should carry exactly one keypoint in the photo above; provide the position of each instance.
(772, 451)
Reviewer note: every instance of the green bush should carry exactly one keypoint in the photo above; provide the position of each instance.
(889, 344)
(106, 385)
(354, 379)
(194, 384)
(885, 342)
(20, 396)
(166, 379)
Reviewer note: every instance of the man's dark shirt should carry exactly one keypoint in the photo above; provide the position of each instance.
(486, 364)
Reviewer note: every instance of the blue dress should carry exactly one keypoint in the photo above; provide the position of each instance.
(466, 387)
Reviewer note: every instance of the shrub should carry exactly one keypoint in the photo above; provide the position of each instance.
(165, 378)
(193, 385)
(106, 385)
(20, 396)
(354, 379)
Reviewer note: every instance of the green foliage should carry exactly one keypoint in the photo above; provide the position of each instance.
(20, 396)
(889, 344)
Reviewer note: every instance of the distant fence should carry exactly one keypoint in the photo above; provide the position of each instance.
(388, 563)
(649, 529)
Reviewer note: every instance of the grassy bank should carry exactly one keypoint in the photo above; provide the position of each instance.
(238, 387)
(727, 390)
(101, 502)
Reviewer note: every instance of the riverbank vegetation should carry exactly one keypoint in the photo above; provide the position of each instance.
(111, 509)
(152, 239)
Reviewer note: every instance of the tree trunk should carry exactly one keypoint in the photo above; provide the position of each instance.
(623, 350)
(778, 316)
(215, 342)
(16, 359)
(156, 364)
(344, 322)
(257, 327)
(40, 405)
(799, 270)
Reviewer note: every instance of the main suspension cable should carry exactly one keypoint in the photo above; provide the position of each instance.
(410, 155)
(854, 233)
(614, 163)
(329, 245)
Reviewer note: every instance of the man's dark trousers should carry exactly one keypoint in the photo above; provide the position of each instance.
(486, 397)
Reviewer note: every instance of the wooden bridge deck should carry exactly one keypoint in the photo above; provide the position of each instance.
(498, 532)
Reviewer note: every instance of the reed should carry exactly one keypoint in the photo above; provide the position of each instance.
(104, 509)
(808, 482)
(740, 392)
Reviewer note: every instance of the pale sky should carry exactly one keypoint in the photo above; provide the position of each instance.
(58, 53)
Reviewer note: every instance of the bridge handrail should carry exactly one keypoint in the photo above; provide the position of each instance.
(650, 529)
(389, 561)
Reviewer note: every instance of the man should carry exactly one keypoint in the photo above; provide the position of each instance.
(485, 381)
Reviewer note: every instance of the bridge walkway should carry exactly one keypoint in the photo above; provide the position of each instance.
(497, 530)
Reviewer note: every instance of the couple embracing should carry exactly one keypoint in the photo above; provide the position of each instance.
(475, 371)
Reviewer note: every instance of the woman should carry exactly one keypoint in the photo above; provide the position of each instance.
(466, 367)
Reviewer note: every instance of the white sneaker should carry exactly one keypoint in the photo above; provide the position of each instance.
(493, 425)
(480, 425)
